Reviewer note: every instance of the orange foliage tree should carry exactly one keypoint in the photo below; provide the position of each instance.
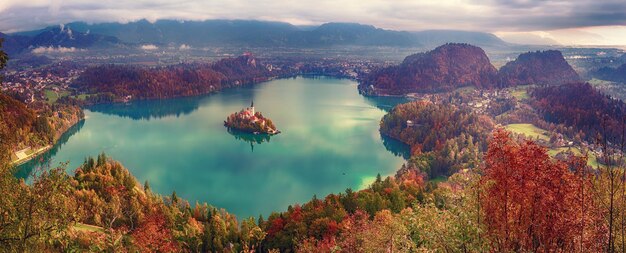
(154, 235)
(534, 203)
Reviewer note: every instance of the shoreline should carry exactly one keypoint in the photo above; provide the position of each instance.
(303, 75)
(46, 148)
(39, 151)
(86, 107)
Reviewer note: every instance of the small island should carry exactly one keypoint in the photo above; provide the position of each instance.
(247, 120)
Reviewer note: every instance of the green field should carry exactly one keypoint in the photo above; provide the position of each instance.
(554, 151)
(439, 179)
(520, 92)
(534, 132)
(592, 160)
(529, 130)
(82, 96)
(87, 228)
(53, 96)
(466, 89)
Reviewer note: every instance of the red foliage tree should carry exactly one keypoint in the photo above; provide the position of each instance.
(153, 235)
(533, 203)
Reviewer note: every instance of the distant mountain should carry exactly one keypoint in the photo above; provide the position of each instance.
(253, 33)
(445, 68)
(540, 67)
(58, 36)
(433, 38)
(195, 33)
(330, 34)
(611, 74)
(247, 33)
(66, 37)
(14, 44)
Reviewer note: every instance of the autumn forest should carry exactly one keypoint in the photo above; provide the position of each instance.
(528, 157)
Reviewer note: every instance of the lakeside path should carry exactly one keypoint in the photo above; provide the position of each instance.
(26, 158)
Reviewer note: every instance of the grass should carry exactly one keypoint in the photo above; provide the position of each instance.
(88, 228)
(534, 132)
(439, 179)
(53, 96)
(592, 160)
(466, 89)
(529, 130)
(554, 151)
(520, 92)
(81, 96)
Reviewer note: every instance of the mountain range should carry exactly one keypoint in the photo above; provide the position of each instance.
(244, 33)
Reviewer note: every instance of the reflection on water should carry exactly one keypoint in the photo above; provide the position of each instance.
(386, 103)
(330, 142)
(249, 137)
(396, 147)
(150, 109)
(44, 160)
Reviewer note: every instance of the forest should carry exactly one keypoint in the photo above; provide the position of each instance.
(592, 113)
(519, 199)
(109, 83)
(35, 126)
(444, 138)
(611, 74)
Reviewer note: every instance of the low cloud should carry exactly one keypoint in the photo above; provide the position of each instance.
(479, 15)
(184, 47)
(149, 47)
(56, 50)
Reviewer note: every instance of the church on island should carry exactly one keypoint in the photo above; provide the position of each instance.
(248, 120)
(249, 111)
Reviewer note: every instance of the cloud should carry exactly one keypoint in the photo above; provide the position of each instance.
(184, 47)
(57, 50)
(529, 38)
(411, 15)
(149, 47)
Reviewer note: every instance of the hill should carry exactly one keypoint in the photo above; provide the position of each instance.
(540, 67)
(20, 127)
(445, 68)
(116, 82)
(455, 65)
(612, 74)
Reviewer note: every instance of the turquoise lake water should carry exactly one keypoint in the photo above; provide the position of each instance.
(329, 142)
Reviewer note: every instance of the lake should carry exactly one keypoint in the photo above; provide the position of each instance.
(329, 142)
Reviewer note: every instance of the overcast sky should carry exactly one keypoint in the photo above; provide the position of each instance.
(591, 22)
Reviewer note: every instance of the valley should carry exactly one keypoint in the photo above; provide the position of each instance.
(113, 138)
